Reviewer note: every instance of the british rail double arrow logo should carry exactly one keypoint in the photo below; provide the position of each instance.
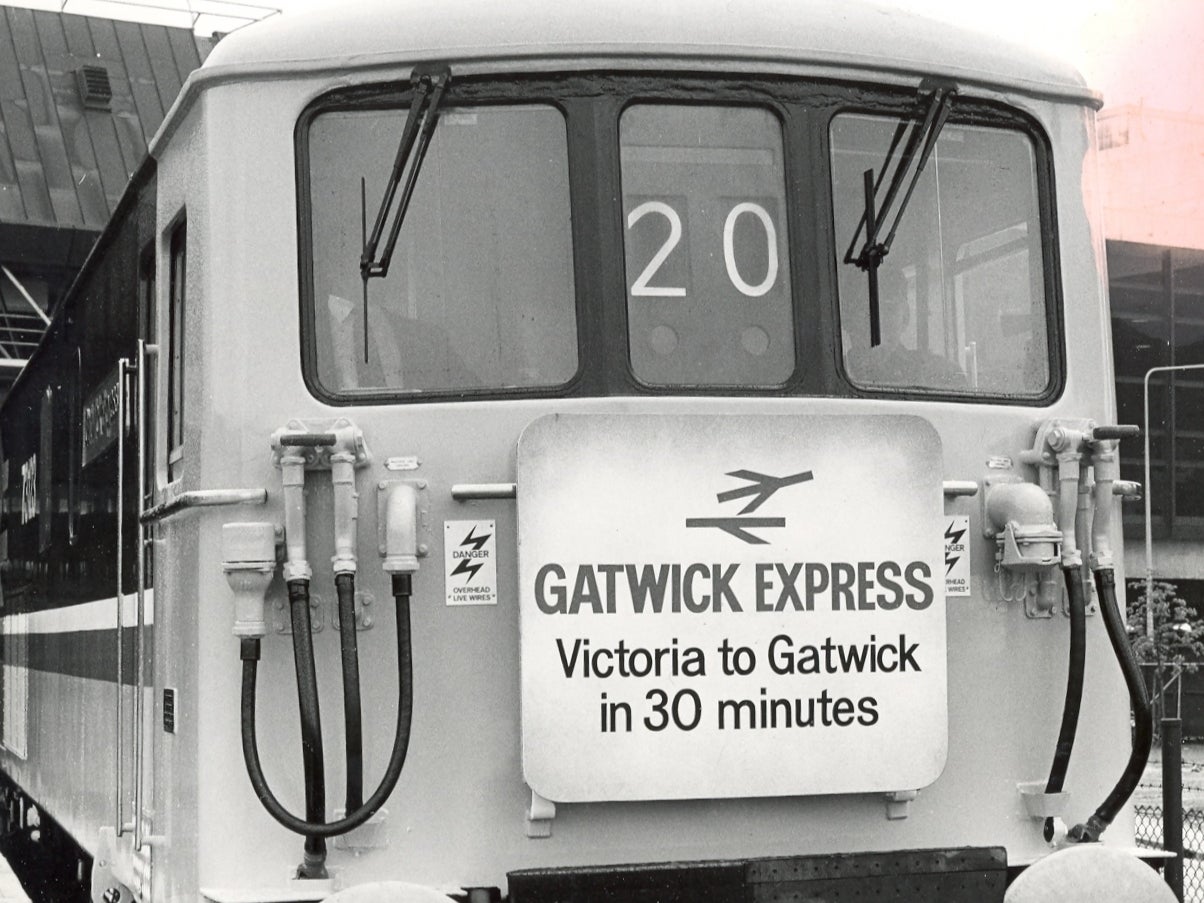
(761, 487)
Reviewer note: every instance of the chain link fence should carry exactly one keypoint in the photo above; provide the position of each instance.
(1149, 834)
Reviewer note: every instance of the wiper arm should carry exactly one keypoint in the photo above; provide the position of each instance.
(920, 145)
(428, 88)
(420, 124)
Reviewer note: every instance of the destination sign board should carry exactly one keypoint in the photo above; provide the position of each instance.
(100, 416)
(731, 606)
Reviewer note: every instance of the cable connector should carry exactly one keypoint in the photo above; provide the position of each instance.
(249, 562)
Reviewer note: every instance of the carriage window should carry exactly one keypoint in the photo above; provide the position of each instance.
(708, 280)
(46, 469)
(175, 362)
(480, 293)
(962, 291)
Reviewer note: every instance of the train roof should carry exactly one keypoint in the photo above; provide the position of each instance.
(763, 35)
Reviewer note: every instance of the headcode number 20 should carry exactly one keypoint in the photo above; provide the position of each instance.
(642, 287)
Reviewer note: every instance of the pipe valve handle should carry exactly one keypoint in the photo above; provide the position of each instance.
(1128, 431)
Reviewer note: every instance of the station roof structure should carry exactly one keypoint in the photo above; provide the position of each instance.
(80, 98)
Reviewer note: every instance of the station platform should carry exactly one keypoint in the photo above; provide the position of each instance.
(10, 888)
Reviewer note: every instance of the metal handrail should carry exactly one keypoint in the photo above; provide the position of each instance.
(140, 570)
(463, 492)
(122, 368)
(203, 498)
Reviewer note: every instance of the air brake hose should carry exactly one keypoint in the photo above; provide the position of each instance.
(352, 718)
(1074, 686)
(401, 740)
(314, 764)
(1143, 716)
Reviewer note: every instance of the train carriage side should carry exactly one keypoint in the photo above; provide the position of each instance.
(693, 521)
(68, 688)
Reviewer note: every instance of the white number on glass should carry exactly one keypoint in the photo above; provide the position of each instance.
(729, 250)
(641, 286)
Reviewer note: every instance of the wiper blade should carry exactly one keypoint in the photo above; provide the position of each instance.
(428, 88)
(914, 157)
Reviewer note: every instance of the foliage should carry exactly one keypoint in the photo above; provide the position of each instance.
(1178, 631)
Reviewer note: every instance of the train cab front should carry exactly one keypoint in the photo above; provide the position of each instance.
(713, 473)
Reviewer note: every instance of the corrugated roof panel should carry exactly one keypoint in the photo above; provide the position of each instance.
(184, 51)
(163, 65)
(142, 77)
(128, 129)
(110, 165)
(48, 133)
(11, 205)
(61, 164)
(73, 124)
(26, 160)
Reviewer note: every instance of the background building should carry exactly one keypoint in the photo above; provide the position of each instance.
(1151, 166)
(80, 97)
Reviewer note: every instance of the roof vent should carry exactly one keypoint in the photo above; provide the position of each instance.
(95, 89)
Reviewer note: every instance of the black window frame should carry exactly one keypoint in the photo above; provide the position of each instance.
(781, 114)
(592, 104)
(986, 115)
(467, 92)
(177, 313)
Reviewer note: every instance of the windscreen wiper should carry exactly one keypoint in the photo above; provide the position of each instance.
(913, 158)
(427, 92)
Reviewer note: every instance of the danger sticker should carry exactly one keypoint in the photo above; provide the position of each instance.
(957, 556)
(470, 555)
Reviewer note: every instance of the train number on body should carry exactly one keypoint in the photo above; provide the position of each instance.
(29, 490)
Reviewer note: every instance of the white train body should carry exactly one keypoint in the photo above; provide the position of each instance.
(574, 707)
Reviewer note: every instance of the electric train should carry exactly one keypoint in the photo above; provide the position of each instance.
(607, 451)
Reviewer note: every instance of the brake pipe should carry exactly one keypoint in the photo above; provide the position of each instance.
(1107, 472)
(297, 575)
(1071, 516)
(1104, 457)
(1074, 687)
(292, 477)
(352, 717)
(346, 513)
(314, 862)
(1143, 716)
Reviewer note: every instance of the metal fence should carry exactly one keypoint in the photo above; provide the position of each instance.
(1149, 834)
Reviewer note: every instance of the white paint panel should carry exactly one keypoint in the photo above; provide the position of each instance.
(16, 689)
(100, 614)
(813, 543)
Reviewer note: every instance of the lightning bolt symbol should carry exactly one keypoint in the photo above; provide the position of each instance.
(467, 566)
(475, 541)
(954, 536)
